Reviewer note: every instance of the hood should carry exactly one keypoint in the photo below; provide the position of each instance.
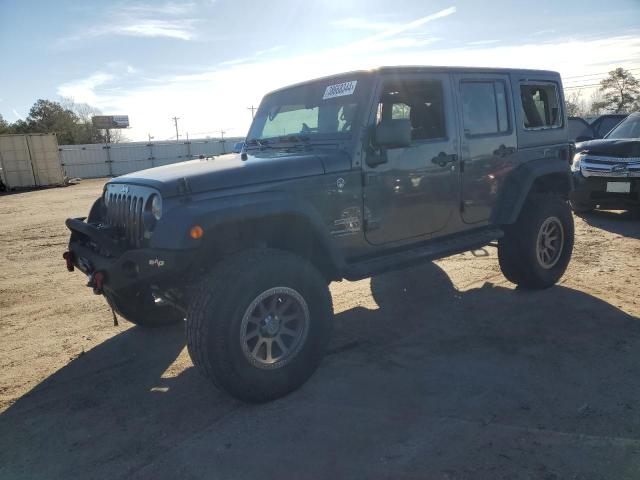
(228, 171)
(625, 147)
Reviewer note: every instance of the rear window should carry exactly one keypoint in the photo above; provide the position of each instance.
(540, 105)
(484, 107)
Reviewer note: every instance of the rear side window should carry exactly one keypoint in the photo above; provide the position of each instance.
(540, 105)
(484, 107)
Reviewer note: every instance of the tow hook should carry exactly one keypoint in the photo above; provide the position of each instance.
(68, 258)
(96, 281)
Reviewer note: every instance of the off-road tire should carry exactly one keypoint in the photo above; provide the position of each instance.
(580, 208)
(141, 309)
(517, 252)
(216, 312)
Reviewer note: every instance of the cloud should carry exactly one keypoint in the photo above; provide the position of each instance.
(180, 29)
(218, 98)
(168, 20)
(543, 32)
(483, 42)
(18, 116)
(269, 50)
(238, 61)
(168, 8)
(84, 89)
(354, 23)
(380, 41)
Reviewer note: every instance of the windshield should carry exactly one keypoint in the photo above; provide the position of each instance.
(628, 128)
(323, 109)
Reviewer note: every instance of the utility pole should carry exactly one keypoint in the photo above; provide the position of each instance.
(222, 132)
(175, 120)
(253, 111)
(150, 137)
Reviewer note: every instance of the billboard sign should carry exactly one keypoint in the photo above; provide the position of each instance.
(110, 121)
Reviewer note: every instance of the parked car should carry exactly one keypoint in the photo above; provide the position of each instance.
(343, 177)
(605, 123)
(580, 130)
(606, 171)
(237, 147)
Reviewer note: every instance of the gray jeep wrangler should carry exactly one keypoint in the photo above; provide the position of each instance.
(340, 178)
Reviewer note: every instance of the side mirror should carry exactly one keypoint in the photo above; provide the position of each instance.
(583, 139)
(393, 133)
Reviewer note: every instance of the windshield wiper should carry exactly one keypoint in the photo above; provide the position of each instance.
(256, 142)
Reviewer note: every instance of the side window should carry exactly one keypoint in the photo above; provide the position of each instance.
(540, 105)
(484, 107)
(607, 125)
(421, 102)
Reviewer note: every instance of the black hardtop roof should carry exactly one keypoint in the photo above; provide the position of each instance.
(426, 69)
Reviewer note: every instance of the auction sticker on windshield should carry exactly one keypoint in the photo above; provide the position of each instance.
(340, 90)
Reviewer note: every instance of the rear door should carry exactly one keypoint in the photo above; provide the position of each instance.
(488, 141)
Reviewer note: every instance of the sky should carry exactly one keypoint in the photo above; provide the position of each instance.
(208, 61)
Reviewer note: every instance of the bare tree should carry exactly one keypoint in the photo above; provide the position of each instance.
(620, 92)
(576, 105)
(86, 131)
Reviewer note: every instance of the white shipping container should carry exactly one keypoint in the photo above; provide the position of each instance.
(30, 160)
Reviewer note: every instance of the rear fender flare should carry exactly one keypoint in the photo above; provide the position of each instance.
(518, 185)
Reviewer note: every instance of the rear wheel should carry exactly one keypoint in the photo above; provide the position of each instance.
(535, 251)
(141, 308)
(259, 323)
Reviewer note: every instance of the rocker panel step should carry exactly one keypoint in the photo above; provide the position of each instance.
(431, 251)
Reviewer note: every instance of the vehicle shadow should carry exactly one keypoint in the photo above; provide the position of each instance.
(626, 223)
(133, 407)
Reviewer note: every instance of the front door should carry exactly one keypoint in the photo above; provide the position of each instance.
(488, 141)
(415, 192)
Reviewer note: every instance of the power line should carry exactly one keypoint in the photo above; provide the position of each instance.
(596, 74)
(582, 86)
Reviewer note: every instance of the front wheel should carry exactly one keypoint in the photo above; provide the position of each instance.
(535, 251)
(258, 324)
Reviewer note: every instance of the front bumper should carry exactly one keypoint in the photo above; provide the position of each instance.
(92, 252)
(592, 190)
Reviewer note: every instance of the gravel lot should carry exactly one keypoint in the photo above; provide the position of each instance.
(444, 371)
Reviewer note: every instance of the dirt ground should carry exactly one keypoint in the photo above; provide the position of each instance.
(444, 371)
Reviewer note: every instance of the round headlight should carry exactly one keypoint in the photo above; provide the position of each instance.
(155, 205)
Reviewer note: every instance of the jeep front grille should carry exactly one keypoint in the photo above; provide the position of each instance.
(125, 213)
(125, 209)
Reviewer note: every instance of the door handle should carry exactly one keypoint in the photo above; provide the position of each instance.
(503, 151)
(442, 159)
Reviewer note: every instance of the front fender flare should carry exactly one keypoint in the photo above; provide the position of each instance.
(172, 231)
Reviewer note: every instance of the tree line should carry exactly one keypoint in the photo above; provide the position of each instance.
(70, 121)
(619, 92)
